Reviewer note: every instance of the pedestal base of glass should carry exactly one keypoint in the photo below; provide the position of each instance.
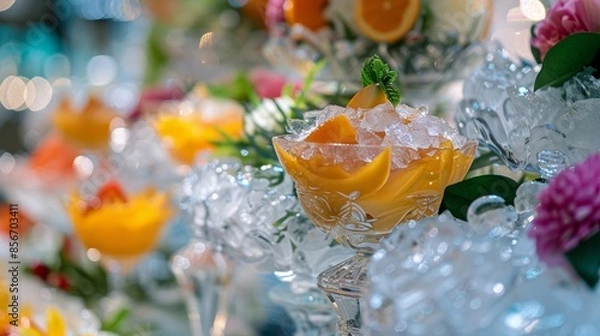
(310, 310)
(344, 285)
(204, 276)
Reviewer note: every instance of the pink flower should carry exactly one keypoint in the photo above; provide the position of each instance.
(269, 84)
(566, 17)
(274, 13)
(569, 211)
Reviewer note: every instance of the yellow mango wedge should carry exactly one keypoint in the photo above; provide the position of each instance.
(368, 97)
(338, 129)
(366, 180)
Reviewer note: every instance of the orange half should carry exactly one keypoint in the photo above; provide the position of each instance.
(309, 13)
(386, 20)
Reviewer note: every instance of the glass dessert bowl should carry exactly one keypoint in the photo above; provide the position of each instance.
(361, 172)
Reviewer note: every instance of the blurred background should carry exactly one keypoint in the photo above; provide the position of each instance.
(50, 49)
(114, 48)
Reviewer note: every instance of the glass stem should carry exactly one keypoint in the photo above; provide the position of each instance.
(204, 276)
(116, 281)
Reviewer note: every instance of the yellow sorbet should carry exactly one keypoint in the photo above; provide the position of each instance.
(121, 228)
(87, 128)
(187, 135)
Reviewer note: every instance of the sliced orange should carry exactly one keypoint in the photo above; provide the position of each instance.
(338, 129)
(386, 20)
(255, 10)
(309, 13)
(368, 97)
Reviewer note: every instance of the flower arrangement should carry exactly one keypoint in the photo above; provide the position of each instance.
(424, 40)
(567, 220)
(570, 25)
(565, 18)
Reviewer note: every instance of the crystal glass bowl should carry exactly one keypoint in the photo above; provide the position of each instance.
(359, 193)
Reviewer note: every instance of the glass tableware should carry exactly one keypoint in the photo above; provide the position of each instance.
(242, 215)
(358, 193)
(102, 209)
(502, 111)
(444, 43)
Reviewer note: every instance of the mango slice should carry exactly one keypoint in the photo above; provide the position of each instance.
(338, 129)
(368, 97)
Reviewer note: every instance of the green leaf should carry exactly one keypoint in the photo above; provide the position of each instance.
(240, 89)
(114, 322)
(569, 57)
(459, 196)
(585, 260)
(307, 83)
(376, 71)
(485, 160)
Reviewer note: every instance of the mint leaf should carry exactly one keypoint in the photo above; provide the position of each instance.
(376, 71)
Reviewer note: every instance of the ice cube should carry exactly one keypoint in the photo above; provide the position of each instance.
(408, 113)
(581, 123)
(398, 135)
(366, 137)
(378, 118)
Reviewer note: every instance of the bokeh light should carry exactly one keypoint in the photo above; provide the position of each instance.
(38, 93)
(101, 70)
(20, 93)
(12, 93)
(6, 4)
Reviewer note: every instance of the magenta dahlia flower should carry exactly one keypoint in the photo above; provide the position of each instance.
(566, 17)
(569, 211)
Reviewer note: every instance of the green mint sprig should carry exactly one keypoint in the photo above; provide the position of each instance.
(377, 71)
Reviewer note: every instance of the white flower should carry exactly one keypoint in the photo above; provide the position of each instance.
(268, 115)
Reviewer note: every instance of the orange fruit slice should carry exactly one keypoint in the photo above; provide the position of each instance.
(386, 20)
(368, 97)
(309, 13)
(255, 10)
(338, 129)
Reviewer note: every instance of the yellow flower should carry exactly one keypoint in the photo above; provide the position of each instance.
(187, 135)
(120, 227)
(88, 128)
(55, 325)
